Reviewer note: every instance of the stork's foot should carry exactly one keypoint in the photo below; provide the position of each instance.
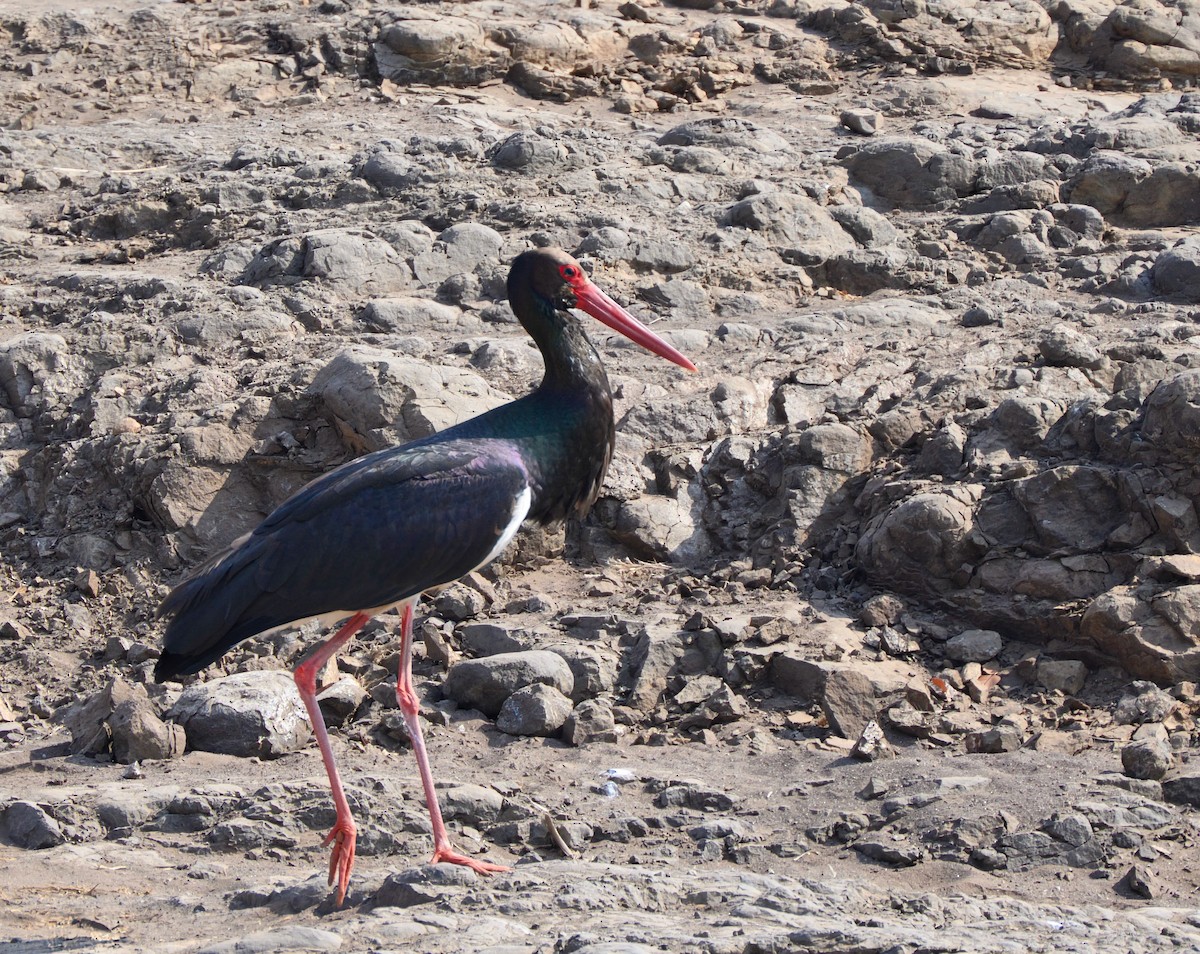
(449, 856)
(341, 860)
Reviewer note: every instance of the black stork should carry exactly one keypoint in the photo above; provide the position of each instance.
(377, 532)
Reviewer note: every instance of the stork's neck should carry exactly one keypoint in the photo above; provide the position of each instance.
(572, 363)
(569, 439)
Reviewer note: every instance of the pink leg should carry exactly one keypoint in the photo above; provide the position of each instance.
(343, 834)
(409, 707)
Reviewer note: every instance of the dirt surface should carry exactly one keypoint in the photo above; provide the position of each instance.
(152, 153)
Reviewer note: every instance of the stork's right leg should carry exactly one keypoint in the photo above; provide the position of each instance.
(343, 834)
(409, 708)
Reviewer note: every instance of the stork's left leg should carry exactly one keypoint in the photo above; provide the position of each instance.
(409, 707)
(343, 834)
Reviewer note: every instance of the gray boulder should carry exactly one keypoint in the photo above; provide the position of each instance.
(1066, 675)
(386, 399)
(723, 705)
(1183, 788)
(486, 683)
(1070, 506)
(353, 261)
(121, 716)
(1149, 630)
(700, 159)
(489, 639)
(662, 651)
(663, 255)
(974, 645)
(341, 699)
(1143, 703)
(593, 670)
(139, 734)
(865, 122)
(476, 805)
(921, 544)
(528, 152)
(659, 527)
(431, 39)
(36, 367)
(912, 173)
(725, 133)
(134, 806)
(590, 721)
(389, 171)
(1105, 180)
(1176, 272)
(868, 227)
(28, 825)
(848, 701)
(87, 719)
(535, 710)
(1065, 346)
(861, 271)
(684, 298)
(463, 248)
(1172, 418)
(358, 263)
(421, 48)
(1140, 60)
(608, 244)
(248, 713)
(1169, 196)
(402, 314)
(1146, 759)
(793, 221)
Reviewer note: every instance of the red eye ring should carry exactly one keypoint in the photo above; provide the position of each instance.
(570, 272)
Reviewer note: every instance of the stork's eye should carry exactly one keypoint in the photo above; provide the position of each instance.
(569, 272)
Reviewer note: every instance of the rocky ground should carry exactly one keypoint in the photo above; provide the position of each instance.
(885, 633)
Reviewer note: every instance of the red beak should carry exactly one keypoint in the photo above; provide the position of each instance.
(591, 299)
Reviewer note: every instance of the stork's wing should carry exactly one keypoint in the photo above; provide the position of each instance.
(365, 536)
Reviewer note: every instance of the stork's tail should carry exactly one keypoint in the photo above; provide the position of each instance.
(212, 611)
